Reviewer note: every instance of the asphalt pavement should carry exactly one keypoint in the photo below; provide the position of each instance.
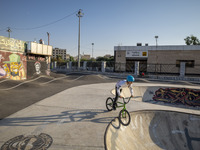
(16, 95)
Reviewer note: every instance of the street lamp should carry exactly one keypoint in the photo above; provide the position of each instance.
(79, 15)
(9, 30)
(92, 49)
(156, 69)
(156, 37)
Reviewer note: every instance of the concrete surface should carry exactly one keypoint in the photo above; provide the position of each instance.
(155, 130)
(73, 119)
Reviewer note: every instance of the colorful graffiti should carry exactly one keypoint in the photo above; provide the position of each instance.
(178, 95)
(12, 68)
(11, 44)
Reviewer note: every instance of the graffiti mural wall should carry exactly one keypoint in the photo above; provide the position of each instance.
(12, 59)
(12, 66)
(21, 60)
(178, 95)
(36, 65)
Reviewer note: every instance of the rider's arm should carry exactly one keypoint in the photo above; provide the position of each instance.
(118, 86)
(131, 90)
(118, 91)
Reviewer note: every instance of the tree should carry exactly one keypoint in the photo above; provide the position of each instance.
(111, 58)
(100, 59)
(92, 59)
(59, 58)
(192, 40)
(71, 58)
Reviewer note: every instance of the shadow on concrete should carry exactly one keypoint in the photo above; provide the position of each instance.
(64, 117)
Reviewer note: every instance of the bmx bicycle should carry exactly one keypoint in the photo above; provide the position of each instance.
(124, 116)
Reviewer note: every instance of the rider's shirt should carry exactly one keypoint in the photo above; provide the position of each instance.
(122, 84)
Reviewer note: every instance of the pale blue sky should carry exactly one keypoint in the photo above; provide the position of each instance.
(106, 23)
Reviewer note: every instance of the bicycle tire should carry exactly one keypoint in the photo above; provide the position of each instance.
(109, 104)
(124, 117)
(128, 100)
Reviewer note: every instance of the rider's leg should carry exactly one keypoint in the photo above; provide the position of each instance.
(116, 98)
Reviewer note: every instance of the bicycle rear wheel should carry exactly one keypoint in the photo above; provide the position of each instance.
(124, 117)
(109, 104)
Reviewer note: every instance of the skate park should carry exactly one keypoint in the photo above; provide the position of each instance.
(75, 115)
(60, 62)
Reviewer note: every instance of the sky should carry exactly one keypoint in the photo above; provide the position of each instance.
(106, 23)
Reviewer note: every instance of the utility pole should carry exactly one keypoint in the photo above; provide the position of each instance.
(92, 49)
(48, 37)
(49, 60)
(79, 15)
(9, 30)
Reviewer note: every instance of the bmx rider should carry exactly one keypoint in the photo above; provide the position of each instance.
(118, 88)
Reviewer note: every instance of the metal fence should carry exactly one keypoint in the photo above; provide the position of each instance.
(93, 66)
(61, 65)
(110, 65)
(169, 69)
(148, 69)
(172, 69)
(75, 65)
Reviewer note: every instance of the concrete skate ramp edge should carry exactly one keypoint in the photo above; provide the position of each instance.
(171, 94)
(154, 130)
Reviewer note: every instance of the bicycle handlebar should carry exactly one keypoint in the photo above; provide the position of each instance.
(126, 99)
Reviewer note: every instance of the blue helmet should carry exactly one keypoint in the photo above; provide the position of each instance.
(130, 78)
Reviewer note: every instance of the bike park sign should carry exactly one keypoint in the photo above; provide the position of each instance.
(138, 53)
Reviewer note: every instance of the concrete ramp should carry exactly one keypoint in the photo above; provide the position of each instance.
(164, 94)
(155, 130)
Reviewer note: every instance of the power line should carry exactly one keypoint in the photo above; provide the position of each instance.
(47, 23)
(3, 29)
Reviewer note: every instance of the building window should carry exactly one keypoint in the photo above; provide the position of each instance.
(188, 63)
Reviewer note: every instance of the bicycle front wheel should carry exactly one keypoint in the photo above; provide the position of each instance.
(124, 117)
(109, 103)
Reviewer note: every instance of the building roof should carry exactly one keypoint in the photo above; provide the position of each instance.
(160, 47)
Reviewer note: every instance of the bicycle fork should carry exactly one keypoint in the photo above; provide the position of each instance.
(124, 112)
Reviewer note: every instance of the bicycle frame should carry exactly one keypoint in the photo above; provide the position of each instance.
(122, 105)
